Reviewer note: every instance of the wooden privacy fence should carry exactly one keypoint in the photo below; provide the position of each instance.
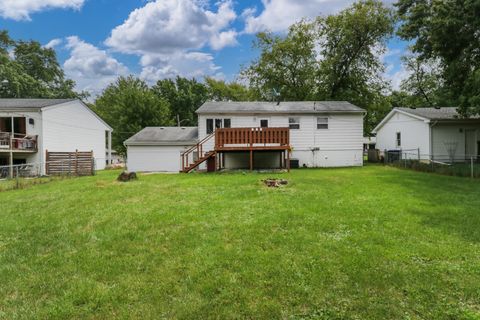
(79, 163)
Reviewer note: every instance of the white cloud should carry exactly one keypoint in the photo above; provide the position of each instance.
(21, 9)
(186, 64)
(53, 43)
(166, 26)
(278, 15)
(92, 68)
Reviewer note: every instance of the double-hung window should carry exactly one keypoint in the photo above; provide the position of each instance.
(399, 139)
(322, 123)
(294, 123)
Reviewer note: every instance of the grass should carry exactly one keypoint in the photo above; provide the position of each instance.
(359, 243)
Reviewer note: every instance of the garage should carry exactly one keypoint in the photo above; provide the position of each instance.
(159, 149)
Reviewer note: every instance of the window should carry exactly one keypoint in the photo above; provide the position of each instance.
(227, 123)
(264, 123)
(209, 126)
(322, 123)
(218, 123)
(399, 139)
(294, 123)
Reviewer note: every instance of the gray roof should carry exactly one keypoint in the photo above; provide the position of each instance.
(30, 103)
(164, 136)
(283, 107)
(449, 113)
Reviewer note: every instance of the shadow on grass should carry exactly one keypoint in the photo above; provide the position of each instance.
(451, 204)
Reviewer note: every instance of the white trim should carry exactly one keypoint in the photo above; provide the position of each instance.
(390, 115)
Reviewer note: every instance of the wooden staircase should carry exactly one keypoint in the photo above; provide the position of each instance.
(199, 161)
(189, 162)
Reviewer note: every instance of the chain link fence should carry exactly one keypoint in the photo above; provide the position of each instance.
(20, 175)
(445, 164)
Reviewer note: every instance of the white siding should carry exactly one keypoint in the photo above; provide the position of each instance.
(71, 126)
(415, 133)
(452, 135)
(154, 158)
(339, 145)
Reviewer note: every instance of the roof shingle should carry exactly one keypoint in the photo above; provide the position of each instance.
(164, 136)
(30, 103)
(283, 107)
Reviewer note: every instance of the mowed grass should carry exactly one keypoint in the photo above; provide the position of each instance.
(359, 243)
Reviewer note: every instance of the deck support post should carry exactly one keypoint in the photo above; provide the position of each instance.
(251, 159)
(288, 160)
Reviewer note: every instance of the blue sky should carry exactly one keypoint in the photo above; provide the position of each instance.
(98, 40)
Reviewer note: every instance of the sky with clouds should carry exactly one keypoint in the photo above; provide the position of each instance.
(98, 40)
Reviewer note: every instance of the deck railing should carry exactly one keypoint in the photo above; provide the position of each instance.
(18, 142)
(252, 137)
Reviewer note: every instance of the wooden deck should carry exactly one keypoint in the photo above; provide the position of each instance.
(246, 139)
(18, 143)
(238, 140)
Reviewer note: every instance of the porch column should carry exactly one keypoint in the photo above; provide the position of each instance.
(109, 156)
(288, 160)
(251, 159)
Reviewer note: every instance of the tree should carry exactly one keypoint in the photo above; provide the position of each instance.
(219, 90)
(447, 31)
(331, 58)
(423, 87)
(286, 65)
(129, 105)
(184, 95)
(32, 71)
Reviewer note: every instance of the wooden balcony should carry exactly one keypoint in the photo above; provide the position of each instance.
(18, 143)
(245, 139)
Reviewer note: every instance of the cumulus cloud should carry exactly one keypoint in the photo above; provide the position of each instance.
(92, 68)
(21, 9)
(278, 15)
(166, 26)
(53, 43)
(186, 64)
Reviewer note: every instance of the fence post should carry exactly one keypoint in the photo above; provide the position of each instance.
(471, 166)
(16, 178)
(418, 152)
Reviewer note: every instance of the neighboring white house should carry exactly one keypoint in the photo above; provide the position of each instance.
(158, 149)
(320, 134)
(57, 125)
(430, 133)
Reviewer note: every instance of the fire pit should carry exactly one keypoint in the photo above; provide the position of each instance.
(275, 183)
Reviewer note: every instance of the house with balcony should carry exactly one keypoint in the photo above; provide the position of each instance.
(29, 128)
(254, 135)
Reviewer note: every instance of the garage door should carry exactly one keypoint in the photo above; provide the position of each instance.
(154, 158)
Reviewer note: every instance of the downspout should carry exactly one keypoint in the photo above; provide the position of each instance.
(431, 140)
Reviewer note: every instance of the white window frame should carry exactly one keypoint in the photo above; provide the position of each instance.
(295, 123)
(325, 123)
(398, 139)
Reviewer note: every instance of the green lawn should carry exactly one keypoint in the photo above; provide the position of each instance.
(361, 243)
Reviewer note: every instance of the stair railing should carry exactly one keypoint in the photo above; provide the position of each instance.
(195, 148)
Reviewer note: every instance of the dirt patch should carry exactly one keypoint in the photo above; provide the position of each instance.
(275, 183)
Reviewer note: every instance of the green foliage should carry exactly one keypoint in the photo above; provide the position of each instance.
(33, 72)
(220, 90)
(286, 65)
(358, 243)
(447, 31)
(129, 105)
(184, 95)
(332, 58)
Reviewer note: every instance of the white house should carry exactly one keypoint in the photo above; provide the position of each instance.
(439, 134)
(260, 135)
(30, 127)
(159, 148)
